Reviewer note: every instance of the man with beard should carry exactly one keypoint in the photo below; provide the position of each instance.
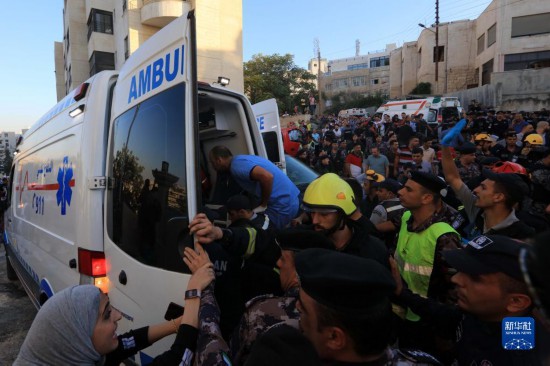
(353, 165)
(331, 203)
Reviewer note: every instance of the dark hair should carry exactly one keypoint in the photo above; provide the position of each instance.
(509, 200)
(357, 190)
(220, 152)
(417, 150)
(370, 334)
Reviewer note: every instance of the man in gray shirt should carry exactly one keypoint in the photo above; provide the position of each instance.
(377, 162)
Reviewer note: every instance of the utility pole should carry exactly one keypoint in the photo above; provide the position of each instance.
(436, 43)
(317, 49)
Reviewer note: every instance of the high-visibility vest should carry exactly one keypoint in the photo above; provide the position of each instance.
(415, 256)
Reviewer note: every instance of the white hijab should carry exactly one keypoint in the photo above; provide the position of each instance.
(61, 333)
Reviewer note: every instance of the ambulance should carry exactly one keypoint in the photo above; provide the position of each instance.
(435, 109)
(104, 185)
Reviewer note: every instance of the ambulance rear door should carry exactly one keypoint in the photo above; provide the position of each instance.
(267, 118)
(152, 179)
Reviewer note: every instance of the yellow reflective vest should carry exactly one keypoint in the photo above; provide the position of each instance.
(415, 256)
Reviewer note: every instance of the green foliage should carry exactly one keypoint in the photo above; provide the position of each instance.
(422, 88)
(277, 77)
(353, 100)
(6, 161)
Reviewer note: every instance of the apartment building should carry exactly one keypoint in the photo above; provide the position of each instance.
(7, 145)
(362, 74)
(509, 35)
(102, 34)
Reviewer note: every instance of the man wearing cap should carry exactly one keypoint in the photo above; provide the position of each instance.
(425, 232)
(331, 204)
(388, 211)
(466, 163)
(369, 182)
(483, 142)
(345, 310)
(258, 176)
(491, 206)
(267, 310)
(490, 287)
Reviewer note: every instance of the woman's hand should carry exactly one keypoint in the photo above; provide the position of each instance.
(202, 277)
(195, 259)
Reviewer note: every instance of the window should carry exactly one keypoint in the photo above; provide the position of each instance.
(491, 35)
(529, 60)
(358, 66)
(340, 83)
(420, 57)
(148, 213)
(101, 61)
(440, 52)
(374, 81)
(124, 5)
(380, 61)
(126, 48)
(481, 44)
(486, 71)
(68, 43)
(100, 21)
(531, 25)
(358, 81)
(328, 87)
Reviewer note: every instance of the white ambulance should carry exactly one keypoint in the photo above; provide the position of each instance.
(105, 184)
(435, 109)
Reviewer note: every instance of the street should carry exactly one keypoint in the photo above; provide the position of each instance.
(16, 314)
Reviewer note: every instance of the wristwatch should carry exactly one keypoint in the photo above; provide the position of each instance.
(192, 294)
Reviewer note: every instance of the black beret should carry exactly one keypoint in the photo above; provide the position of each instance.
(488, 254)
(300, 239)
(239, 202)
(466, 148)
(391, 185)
(344, 282)
(513, 183)
(283, 345)
(428, 181)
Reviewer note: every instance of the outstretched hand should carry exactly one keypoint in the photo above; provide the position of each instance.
(195, 259)
(202, 277)
(204, 230)
(450, 136)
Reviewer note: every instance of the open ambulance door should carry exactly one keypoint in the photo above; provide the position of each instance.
(267, 118)
(152, 173)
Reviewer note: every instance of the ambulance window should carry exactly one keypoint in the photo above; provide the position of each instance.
(149, 196)
(432, 116)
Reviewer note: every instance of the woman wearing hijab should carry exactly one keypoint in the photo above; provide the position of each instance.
(77, 326)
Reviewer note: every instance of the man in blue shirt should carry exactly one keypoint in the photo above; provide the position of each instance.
(260, 177)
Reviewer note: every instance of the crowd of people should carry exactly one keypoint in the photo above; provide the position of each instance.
(412, 247)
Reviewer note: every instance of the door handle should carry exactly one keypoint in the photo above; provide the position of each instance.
(122, 277)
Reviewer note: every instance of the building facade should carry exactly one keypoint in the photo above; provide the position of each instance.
(360, 75)
(102, 34)
(7, 146)
(509, 35)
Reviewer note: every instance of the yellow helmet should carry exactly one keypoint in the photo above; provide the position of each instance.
(329, 192)
(534, 139)
(483, 137)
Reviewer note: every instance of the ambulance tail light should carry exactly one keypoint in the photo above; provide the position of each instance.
(102, 283)
(92, 263)
(439, 118)
(80, 92)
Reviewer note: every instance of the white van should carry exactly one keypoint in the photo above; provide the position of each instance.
(105, 184)
(435, 109)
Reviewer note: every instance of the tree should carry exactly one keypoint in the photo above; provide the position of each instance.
(422, 88)
(277, 77)
(7, 161)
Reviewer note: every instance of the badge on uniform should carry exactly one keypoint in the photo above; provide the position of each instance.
(518, 333)
(480, 242)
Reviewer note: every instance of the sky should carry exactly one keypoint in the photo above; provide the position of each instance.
(28, 33)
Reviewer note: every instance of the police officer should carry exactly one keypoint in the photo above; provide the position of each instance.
(268, 310)
(426, 230)
(490, 287)
(345, 309)
(388, 211)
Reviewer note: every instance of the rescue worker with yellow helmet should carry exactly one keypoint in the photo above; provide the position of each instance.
(532, 151)
(331, 204)
(483, 142)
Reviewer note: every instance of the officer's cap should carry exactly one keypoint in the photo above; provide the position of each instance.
(466, 148)
(343, 282)
(428, 180)
(488, 254)
(391, 185)
(238, 202)
(301, 239)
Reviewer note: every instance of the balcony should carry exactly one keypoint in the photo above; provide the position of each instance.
(159, 13)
